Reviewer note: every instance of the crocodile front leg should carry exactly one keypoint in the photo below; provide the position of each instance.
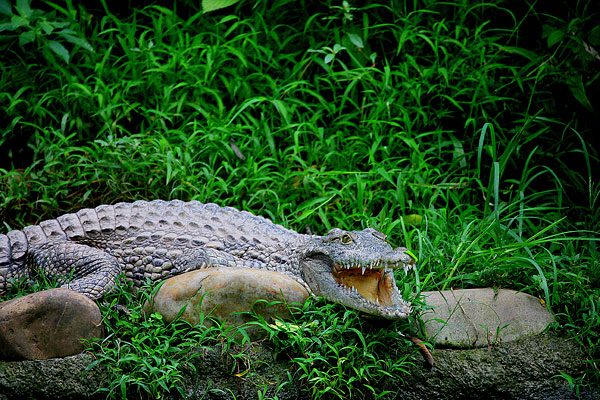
(84, 269)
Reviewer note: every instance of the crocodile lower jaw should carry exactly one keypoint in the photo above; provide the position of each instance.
(374, 284)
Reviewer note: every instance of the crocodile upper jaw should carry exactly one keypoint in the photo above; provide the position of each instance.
(374, 284)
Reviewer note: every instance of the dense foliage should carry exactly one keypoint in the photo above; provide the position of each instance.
(462, 130)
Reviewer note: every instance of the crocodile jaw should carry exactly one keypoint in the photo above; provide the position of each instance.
(372, 289)
(377, 285)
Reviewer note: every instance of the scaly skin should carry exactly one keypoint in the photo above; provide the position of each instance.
(156, 240)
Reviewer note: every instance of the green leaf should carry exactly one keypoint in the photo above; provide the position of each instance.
(60, 24)
(555, 37)
(59, 49)
(212, 5)
(18, 21)
(552, 34)
(547, 29)
(5, 8)
(356, 40)
(26, 37)
(413, 219)
(46, 27)
(576, 87)
(76, 41)
(23, 8)
(123, 387)
(357, 49)
(310, 206)
(530, 55)
(282, 109)
(594, 36)
(6, 26)
(163, 10)
(412, 255)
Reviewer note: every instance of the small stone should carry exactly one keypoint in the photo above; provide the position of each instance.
(227, 294)
(47, 324)
(468, 318)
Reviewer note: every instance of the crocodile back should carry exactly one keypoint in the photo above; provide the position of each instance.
(180, 224)
(145, 227)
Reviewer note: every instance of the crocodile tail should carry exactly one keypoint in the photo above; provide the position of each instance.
(13, 248)
(16, 244)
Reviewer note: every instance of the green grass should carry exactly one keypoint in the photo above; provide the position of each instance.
(142, 354)
(337, 354)
(146, 357)
(464, 132)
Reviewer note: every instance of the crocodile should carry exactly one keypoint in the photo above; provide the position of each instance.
(86, 251)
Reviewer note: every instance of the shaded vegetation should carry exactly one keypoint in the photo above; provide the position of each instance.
(463, 131)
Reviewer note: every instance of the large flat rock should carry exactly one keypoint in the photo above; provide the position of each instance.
(228, 294)
(468, 318)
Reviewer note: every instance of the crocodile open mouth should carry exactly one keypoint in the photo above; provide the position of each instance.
(374, 284)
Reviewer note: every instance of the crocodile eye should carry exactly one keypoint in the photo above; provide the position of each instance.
(346, 238)
(380, 235)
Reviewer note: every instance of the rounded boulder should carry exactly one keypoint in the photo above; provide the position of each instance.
(47, 324)
(228, 294)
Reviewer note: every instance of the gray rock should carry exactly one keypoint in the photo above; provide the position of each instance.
(523, 369)
(47, 324)
(58, 378)
(527, 368)
(227, 294)
(218, 376)
(468, 318)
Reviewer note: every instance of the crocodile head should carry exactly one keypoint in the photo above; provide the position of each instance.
(356, 269)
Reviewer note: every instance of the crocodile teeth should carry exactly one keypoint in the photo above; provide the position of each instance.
(377, 264)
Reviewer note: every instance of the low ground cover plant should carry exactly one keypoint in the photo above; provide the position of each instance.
(462, 131)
